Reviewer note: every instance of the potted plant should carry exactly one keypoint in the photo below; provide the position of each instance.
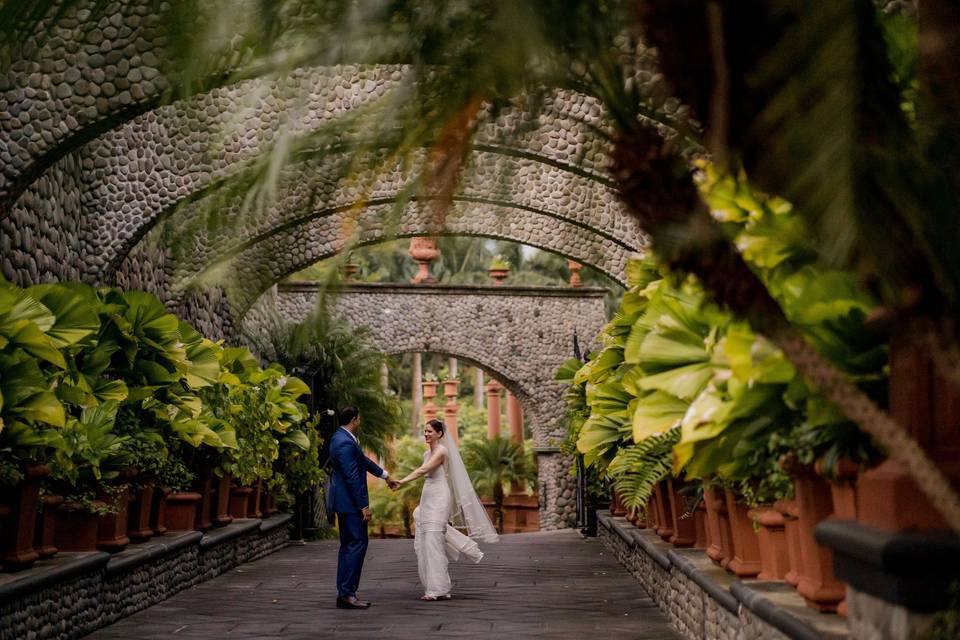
(17, 528)
(499, 269)
(46, 529)
(494, 466)
(683, 520)
(78, 522)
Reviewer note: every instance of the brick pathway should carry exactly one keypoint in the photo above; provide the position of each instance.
(528, 586)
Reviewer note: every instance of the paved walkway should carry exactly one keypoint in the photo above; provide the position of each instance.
(528, 586)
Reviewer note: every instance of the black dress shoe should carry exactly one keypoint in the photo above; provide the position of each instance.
(351, 602)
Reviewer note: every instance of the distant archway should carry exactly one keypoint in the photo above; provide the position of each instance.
(520, 334)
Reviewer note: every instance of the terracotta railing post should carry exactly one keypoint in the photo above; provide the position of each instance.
(493, 409)
(451, 408)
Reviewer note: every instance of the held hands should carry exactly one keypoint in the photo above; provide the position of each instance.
(393, 484)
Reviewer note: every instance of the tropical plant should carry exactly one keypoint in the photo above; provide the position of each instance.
(496, 465)
(298, 469)
(499, 263)
(637, 469)
(865, 151)
(341, 367)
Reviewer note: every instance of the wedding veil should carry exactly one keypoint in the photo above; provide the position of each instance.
(466, 509)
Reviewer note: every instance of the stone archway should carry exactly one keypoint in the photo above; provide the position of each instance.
(520, 334)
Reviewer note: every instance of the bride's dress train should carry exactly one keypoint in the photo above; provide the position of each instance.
(435, 541)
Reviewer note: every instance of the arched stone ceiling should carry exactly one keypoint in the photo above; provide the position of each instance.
(318, 188)
(256, 268)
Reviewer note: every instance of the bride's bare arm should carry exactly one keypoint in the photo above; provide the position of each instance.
(432, 463)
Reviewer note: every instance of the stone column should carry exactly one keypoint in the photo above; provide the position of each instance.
(429, 393)
(453, 366)
(493, 409)
(417, 379)
(515, 419)
(451, 408)
(478, 388)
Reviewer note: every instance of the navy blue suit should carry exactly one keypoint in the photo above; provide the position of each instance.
(347, 497)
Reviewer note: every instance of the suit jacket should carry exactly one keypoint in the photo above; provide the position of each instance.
(348, 474)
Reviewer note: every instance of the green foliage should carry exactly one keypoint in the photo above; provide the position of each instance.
(732, 405)
(299, 467)
(495, 465)
(343, 368)
(636, 469)
(95, 381)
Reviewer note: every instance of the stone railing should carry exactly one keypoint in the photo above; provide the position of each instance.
(73, 594)
(705, 602)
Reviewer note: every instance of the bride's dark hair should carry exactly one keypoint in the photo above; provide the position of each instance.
(437, 426)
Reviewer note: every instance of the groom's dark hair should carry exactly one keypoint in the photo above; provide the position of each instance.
(347, 414)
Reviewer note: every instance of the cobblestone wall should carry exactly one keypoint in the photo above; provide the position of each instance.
(521, 335)
(88, 599)
(692, 608)
(91, 161)
(874, 619)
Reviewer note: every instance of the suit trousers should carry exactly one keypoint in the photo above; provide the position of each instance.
(353, 548)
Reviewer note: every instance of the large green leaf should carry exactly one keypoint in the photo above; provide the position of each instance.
(26, 392)
(75, 308)
(656, 413)
(684, 382)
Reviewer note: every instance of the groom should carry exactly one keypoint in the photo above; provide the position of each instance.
(348, 498)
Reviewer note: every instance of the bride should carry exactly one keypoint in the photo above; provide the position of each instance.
(447, 501)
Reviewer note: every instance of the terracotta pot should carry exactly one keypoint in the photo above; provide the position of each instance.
(138, 521)
(684, 529)
(269, 503)
(221, 486)
(253, 509)
(843, 489)
(721, 538)
(745, 562)
(700, 526)
(651, 513)
(788, 511)
(17, 530)
(774, 559)
(76, 528)
(450, 387)
(616, 506)
(239, 501)
(158, 511)
(499, 275)
(203, 484)
(44, 539)
(664, 513)
(843, 495)
(182, 510)
(817, 584)
(112, 528)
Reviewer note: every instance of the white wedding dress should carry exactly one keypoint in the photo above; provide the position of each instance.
(436, 541)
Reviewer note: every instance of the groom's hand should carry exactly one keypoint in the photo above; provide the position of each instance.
(366, 514)
(393, 484)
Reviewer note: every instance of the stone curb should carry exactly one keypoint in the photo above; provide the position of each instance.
(724, 597)
(233, 530)
(138, 555)
(775, 616)
(65, 568)
(274, 522)
(752, 596)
